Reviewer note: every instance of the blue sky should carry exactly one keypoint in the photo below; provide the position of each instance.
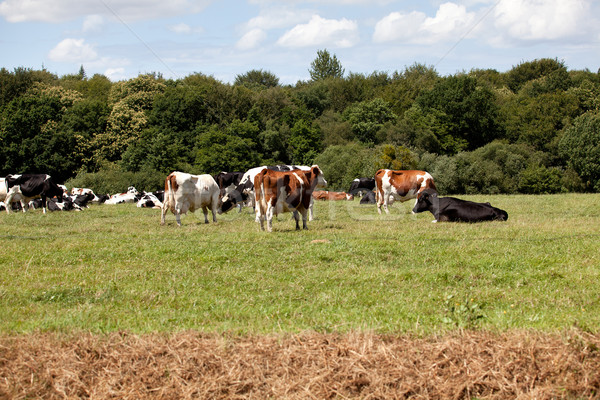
(123, 38)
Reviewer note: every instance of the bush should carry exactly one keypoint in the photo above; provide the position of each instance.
(112, 179)
(537, 179)
(343, 163)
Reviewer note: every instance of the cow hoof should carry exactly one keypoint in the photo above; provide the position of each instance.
(434, 221)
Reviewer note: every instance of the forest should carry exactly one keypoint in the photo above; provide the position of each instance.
(533, 129)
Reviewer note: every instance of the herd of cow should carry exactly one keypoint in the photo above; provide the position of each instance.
(270, 190)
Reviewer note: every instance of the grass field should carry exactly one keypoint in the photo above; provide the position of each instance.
(114, 268)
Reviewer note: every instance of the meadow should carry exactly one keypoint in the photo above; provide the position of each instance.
(115, 268)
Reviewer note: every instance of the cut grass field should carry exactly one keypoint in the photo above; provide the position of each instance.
(114, 268)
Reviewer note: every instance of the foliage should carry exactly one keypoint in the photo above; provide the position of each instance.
(341, 164)
(325, 66)
(467, 110)
(257, 79)
(367, 118)
(580, 145)
(111, 179)
(449, 124)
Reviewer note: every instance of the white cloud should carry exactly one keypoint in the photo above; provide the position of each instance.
(64, 10)
(398, 26)
(535, 20)
(251, 39)
(451, 22)
(273, 18)
(115, 74)
(93, 23)
(73, 50)
(319, 31)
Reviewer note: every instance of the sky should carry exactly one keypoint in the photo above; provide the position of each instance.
(226, 38)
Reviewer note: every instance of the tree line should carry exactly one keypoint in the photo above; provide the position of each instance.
(532, 129)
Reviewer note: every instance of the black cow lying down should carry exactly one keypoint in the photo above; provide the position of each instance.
(456, 210)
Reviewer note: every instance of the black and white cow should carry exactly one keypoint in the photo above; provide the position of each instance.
(31, 186)
(360, 185)
(151, 200)
(368, 198)
(228, 183)
(456, 210)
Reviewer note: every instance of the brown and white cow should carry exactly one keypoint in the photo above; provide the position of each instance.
(400, 185)
(277, 192)
(327, 195)
(186, 192)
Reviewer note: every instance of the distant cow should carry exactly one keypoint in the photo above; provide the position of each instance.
(84, 191)
(243, 192)
(185, 192)
(326, 195)
(401, 185)
(150, 200)
(368, 198)
(277, 192)
(29, 187)
(457, 210)
(131, 196)
(361, 185)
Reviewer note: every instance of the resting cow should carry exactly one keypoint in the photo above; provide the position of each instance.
(326, 195)
(186, 192)
(27, 187)
(277, 192)
(400, 185)
(360, 185)
(368, 198)
(456, 210)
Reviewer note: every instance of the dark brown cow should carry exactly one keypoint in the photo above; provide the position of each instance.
(277, 192)
(326, 195)
(400, 185)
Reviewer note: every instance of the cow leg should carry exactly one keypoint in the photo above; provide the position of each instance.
(310, 208)
(269, 217)
(163, 211)
(304, 226)
(297, 219)
(177, 213)
(44, 204)
(205, 211)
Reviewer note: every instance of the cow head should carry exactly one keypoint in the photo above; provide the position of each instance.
(318, 174)
(230, 200)
(427, 200)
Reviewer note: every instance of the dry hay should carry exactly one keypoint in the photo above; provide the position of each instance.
(186, 365)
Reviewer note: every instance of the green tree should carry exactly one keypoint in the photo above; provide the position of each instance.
(580, 146)
(257, 79)
(367, 118)
(471, 111)
(325, 66)
(304, 143)
(519, 75)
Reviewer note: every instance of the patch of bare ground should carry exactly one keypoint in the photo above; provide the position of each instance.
(457, 365)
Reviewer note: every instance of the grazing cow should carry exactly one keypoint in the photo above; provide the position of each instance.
(244, 191)
(185, 192)
(360, 185)
(131, 196)
(456, 210)
(277, 192)
(149, 200)
(228, 182)
(326, 195)
(29, 187)
(402, 185)
(368, 198)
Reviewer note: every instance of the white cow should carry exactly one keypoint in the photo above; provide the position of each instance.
(131, 196)
(186, 192)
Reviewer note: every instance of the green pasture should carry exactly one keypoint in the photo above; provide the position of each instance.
(114, 268)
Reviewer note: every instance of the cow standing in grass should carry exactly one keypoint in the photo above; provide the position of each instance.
(400, 185)
(186, 192)
(277, 192)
